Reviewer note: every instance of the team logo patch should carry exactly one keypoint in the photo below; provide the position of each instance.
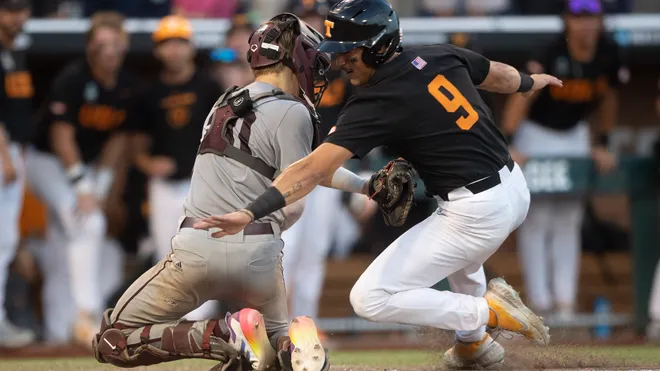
(419, 63)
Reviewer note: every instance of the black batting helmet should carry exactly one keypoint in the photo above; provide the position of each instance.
(371, 24)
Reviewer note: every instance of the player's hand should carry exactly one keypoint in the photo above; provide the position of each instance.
(8, 173)
(161, 166)
(517, 156)
(229, 223)
(541, 81)
(604, 159)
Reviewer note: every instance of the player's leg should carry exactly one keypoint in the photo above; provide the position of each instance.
(85, 236)
(293, 239)
(321, 209)
(533, 253)
(145, 327)
(11, 201)
(653, 330)
(472, 348)
(165, 204)
(565, 249)
(298, 346)
(59, 309)
(396, 286)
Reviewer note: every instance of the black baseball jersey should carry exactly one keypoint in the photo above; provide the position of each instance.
(425, 106)
(95, 112)
(584, 83)
(16, 93)
(173, 116)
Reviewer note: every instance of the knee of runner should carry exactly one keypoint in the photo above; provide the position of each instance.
(368, 303)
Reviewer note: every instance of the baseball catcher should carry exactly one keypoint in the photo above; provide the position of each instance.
(250, 135)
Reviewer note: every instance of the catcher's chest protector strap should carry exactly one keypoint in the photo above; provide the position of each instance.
(218, 136)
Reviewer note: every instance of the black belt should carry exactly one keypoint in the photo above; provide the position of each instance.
(483, 184)
(251, 229)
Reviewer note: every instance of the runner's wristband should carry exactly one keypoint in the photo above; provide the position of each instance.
(269, 202)
(526, 82)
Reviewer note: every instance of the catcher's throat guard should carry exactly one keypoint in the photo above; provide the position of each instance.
(309, 64)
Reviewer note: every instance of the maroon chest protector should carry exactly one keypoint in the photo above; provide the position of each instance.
(219, 129)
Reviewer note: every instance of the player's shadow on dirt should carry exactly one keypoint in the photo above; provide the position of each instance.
(521, 355)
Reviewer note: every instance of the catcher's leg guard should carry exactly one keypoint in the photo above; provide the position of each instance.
(152, 344)
(303, 351)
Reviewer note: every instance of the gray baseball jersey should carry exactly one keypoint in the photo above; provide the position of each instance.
(281, 135)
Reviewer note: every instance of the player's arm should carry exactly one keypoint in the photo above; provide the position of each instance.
(498, 77)
(517, 106)
(114, 151)
(345, 180)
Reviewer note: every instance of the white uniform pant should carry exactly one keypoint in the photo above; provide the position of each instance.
(549, 240)
(11, 204)
(76, 242)
(654, 302)
(166, 198)
(307, 244)
(452, 243)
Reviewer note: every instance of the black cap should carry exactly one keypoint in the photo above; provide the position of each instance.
(15, 4)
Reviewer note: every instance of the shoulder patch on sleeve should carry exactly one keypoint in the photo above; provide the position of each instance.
(419, 63)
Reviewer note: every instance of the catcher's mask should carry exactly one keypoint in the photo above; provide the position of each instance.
(309, 65)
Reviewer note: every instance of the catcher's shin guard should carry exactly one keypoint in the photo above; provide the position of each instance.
(303, 351)
(153, 344)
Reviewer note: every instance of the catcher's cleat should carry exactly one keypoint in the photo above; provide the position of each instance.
(305, 352)
(508, 313)
(248, 336)
(486, 353)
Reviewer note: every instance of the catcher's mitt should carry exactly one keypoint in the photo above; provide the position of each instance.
(393, 188)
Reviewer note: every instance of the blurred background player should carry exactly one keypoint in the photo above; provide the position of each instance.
(172, 113)
(553, 122)
(326, 220)
(16, 92)
(79, 145)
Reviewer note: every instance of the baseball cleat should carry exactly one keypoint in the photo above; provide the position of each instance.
(248, 336)
(12, 336)
(508, 313)
(307, 353)
(486, 353)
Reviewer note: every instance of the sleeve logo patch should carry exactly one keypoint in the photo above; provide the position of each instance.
(419, 63)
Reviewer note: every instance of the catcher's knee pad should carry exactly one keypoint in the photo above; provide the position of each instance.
(153, 344)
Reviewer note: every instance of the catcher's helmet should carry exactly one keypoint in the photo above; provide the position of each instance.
(309, 64)
(371, 24)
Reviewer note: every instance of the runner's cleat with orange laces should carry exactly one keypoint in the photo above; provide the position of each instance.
(486, 353)
(508, 313)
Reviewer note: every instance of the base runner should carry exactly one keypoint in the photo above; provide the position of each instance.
(250, 135)
(423, 103)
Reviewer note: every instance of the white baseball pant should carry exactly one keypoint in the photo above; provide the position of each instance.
(166, 198)
(654, 301)
(11, 203)
(452, 243)
(306, 247)
(549, 240)
(78, 238)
